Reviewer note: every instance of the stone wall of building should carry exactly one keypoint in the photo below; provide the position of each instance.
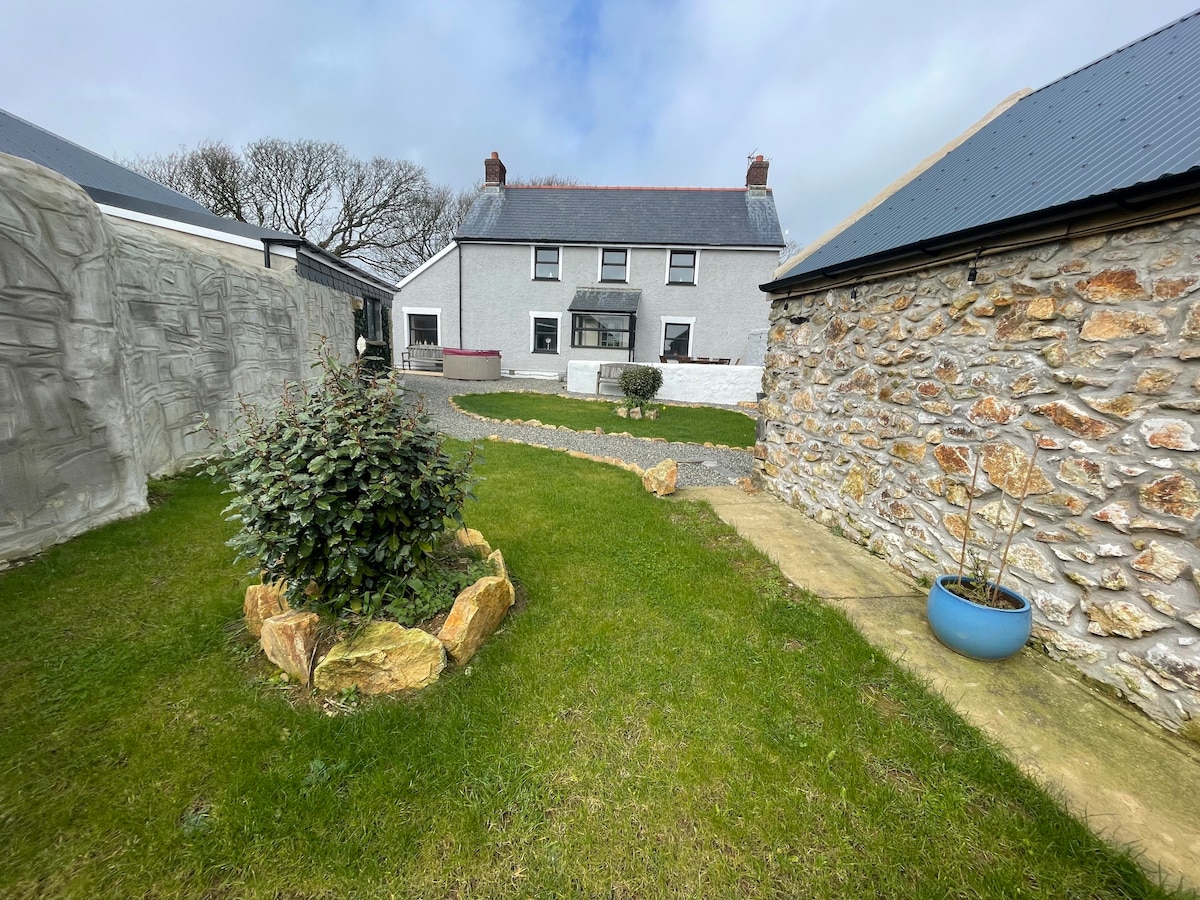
(115, 338)
(1085, 352)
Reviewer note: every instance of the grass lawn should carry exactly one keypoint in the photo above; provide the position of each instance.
(666, 718)
(690, 424)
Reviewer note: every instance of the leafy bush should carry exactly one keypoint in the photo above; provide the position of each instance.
(640, 383)
(340, 489)
(429, 591)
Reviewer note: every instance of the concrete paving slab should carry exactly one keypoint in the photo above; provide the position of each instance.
(1134, 783)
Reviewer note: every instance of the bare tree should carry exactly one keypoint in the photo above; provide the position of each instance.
(551, 180)
(381, 212)
(435, 220)
(790, 249)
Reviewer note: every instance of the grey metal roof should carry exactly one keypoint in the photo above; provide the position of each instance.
(114, 185)
(87, 169)
(1130, 118)
(200, 217)
(708, 217)
(605, 300)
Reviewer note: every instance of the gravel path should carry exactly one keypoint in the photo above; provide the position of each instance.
(698, 466)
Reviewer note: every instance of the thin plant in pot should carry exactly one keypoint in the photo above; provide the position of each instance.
(979, 586)
(975, 615)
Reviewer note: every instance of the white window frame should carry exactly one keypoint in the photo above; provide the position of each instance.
(600, 265)
(664, 321)
(695, 268)
(557, 316)
(422, 311)
(533, 249)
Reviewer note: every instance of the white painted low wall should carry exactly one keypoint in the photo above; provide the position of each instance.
(682, 382)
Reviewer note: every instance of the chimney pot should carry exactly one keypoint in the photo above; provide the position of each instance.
(494, 171)
(756, 159)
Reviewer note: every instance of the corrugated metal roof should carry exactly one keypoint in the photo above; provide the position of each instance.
(87, 169)
(605, 300)
(733, 217)
(1130, 118)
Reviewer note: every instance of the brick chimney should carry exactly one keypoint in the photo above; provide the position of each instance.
(756, 175)
(494, 171)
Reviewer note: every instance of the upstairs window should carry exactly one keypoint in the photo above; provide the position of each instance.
(613, 265)
(682, 268)
(545, 263)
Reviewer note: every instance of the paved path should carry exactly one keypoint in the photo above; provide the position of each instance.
(698, 465)
(1132, 782)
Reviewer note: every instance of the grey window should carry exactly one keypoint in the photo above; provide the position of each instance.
(677, 339)
(545, 335)
(683, 267)
(601, 330)
(422, 329)
(545, 263)
(613, 264)
(374, 310)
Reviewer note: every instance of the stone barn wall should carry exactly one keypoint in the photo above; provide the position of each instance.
(115, 337)
(878, 407)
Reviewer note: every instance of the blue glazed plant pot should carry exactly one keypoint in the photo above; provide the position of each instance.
(974, 630)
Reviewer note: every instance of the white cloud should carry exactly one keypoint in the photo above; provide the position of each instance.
(843, 97)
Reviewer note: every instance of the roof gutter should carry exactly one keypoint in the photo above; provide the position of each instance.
(1132, 203)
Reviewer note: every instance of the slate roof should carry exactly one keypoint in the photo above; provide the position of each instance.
(702, 217)
(89, 170)
(1128, 119)
(605, 300)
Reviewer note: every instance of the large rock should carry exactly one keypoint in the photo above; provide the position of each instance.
(263, 601)
(660, 480)
(382, 658)
(290, 640)
(470, 539)
(478, 612)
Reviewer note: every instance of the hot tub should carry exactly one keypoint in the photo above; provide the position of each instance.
(471, 365)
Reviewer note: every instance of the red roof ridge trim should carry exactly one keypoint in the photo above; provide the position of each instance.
(607, 187)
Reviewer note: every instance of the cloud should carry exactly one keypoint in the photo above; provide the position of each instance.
(843, 97)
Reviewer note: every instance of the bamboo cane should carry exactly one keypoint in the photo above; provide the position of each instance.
(1016, 518)
(967, 531)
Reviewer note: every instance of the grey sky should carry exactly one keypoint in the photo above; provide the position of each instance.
(841, 97)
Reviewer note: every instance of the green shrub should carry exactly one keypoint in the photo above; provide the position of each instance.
(431, 590)
(340, 487)
(640, 383)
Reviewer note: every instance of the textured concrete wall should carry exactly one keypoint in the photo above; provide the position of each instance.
(115, 337)
(878, 407)
(69, 457)
(499, 294)
(209, 324)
